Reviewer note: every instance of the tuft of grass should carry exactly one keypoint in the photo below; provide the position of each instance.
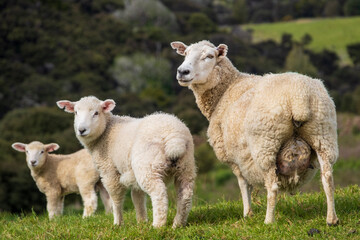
(327, 33)
(295, 216)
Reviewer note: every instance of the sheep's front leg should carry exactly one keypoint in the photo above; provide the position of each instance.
(55, 205)
(89, 197)
(328, 184)
(272, 190)
(117, 194)
(245, 189)
(139, 199)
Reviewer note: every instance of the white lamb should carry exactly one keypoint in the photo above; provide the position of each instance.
(138, 153)
(58, 175)
(255, 121)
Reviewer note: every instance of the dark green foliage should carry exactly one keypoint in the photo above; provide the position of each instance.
(354, 52)
(352, 8)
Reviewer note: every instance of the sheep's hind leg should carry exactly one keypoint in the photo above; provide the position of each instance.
(272, 190)
(139, 199)
(184, 187)
(328, 184)
(245, 189)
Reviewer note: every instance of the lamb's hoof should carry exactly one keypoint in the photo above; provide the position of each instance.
(333, 223)
(177, 225)
(158, 225)
(269, 221)
(249, 214)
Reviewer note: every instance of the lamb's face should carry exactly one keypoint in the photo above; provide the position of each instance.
(200, 60)
(36, 152)
(90, 116)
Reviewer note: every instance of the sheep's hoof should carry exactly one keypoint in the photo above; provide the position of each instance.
(333, 223)
(249, 214)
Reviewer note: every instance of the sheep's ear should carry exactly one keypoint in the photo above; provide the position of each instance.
(19, 146)
(66, 105)
(222, 49)
(180, 47)
(51, 147)
(108, 105)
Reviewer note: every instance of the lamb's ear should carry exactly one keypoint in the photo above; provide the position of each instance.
(66, 105)
(19, 146)
(51, 147)
(108, 105)
(222, 49)
(180, 47)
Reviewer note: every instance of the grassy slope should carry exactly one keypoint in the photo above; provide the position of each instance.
(332, 33)
(295, 216)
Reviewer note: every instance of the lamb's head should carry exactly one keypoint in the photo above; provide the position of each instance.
(200, 60)
(90, 116)
(36, 152)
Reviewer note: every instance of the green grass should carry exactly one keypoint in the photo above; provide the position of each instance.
(295, 215)
(329, 33)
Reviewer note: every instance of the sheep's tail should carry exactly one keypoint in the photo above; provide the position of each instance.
(300, 109)
(105, 197)
(175, 147)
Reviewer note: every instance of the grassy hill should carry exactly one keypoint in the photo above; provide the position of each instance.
(295, 215)
(331, 33)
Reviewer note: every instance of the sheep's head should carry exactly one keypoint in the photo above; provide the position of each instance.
(200, 60)
(90, 116)
(36, 152)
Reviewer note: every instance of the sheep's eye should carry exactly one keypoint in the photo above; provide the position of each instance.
(75, 112)
(27, 151)
(210, 56)
(42, 152)
(96, 113)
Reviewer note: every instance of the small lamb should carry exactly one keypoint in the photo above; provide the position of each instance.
(58, 175)
(275, 130)
(138, 153)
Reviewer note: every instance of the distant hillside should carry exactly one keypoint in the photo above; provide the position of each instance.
(330, 33)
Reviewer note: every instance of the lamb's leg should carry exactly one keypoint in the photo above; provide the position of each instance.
(89, 197)
(184, 189)
(117, 192)
(54, 205)
(245, 189)
(272, 190)
(105, 197)
(328, 184)
(139, 199)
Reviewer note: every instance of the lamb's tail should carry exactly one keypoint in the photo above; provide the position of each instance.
(175, 147)
(105, 197)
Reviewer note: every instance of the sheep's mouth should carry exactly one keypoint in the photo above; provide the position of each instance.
(184, 80)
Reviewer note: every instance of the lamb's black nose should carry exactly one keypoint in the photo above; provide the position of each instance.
(81, 131)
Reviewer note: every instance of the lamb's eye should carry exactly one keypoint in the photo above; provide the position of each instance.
(75, 112)
(27, 151)
(210, 56)
(96, 113)
(42, 152)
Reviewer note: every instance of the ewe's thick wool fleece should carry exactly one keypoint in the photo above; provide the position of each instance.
(251, 116)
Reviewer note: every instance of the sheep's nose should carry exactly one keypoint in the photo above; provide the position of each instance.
(82, 130)
(33, 162)
(183, 71)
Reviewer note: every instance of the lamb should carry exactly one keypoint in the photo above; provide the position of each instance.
(58, 175)
(137, 153)
(255, 121)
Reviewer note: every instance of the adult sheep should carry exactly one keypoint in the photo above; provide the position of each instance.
(255, 121)
(139, 153)
(58, 175)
